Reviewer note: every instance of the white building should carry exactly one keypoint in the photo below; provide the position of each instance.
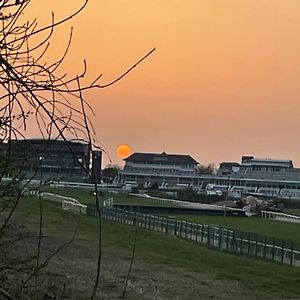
(256, 176)
(164, 170)
(270, 177)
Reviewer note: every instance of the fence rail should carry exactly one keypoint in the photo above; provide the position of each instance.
(70, 205)
(186, 204)
(224, 239)
(280, 216)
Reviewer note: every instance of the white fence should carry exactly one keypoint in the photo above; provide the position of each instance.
(57, 198)
(78, 207)
(186, 204)
(280, 216)
(109, 202)
(67, 203)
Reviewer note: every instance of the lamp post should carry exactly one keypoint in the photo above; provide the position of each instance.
(226, 197)
(41, 160)
(234, 170)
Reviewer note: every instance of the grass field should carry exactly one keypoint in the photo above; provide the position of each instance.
(82, 195)
(177, 268)
(86, 196)
(292, 211)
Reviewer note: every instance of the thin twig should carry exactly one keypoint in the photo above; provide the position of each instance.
(131, 263)
(39, 245)
(6, 295)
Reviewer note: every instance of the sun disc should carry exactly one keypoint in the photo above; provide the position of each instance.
(123, 151)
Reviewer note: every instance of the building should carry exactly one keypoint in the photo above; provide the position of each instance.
(160, 170)
(260, 176)
(256, 176)
(51, 159)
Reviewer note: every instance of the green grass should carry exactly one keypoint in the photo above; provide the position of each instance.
(135, 200)
(82, 195)
(264, 278)
(271, 228)
(292, 211)
(86, 196)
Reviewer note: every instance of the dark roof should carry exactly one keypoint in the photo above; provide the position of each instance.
(35, 141)
(251, 160)
(228, 164)
(39, 146)
(163, 158)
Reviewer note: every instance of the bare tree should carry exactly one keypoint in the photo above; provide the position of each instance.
(32, 90)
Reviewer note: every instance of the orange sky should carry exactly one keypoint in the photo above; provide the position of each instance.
(223, 82)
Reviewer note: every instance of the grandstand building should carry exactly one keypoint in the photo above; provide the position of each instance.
(269, 177)
(255, 176)
(161, 170)
(51, 159)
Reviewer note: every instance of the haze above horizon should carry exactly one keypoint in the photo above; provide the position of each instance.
(223, 82)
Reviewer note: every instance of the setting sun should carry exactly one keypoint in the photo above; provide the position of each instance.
(124, 151)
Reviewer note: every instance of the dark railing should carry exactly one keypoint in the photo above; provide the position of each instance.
(223, 239)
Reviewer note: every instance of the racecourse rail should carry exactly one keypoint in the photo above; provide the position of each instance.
(224, 239)
(280, 216)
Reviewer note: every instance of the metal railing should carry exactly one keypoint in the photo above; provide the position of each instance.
(224, 239)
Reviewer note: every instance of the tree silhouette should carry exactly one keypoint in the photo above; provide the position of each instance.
(34, 90)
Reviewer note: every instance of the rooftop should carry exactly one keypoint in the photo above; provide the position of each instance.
(163, 158)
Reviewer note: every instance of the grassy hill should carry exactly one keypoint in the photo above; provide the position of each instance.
(165, 267)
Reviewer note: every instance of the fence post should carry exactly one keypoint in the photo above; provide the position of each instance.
(148, 221)
(186, 229)
(292, 253)
(242, 242)
(273, 250)
(256, 245)
(180, 230)
(118, 215)
(265, 246)
(202, 232)
(249, 244)
(227, 239)
(282, 251)
(167, 224)
(161, 224)
(197, 232)
(220, 237)
(143, 220)
(233, 242)
(208, 235)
